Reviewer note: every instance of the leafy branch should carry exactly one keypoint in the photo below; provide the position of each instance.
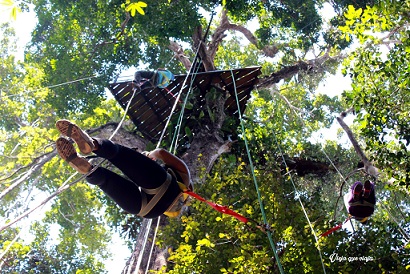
(12, 6)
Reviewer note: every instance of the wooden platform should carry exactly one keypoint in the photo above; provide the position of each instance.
(150, 108)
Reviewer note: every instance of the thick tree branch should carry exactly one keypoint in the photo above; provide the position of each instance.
(368, 167)
(284, 73)
(179, 54)
(206, 57)
(225, 25)
(121, 33)
(226, 147)
(287, 72)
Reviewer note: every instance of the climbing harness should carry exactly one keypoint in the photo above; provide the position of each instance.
(362, 203)
(157, 192)
(175, 208)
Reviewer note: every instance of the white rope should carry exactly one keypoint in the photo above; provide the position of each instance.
(316, 140)
(294, 186)
(177, 99)
(65, 184)
(150, 220)
(124, 116)
(147, 229)
(401, 230)
(153, 244)
(51, 86)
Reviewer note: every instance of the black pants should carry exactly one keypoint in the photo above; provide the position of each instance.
(144, 74)
(140, 170)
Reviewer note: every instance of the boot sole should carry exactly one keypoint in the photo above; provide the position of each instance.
(71, 130)
(67, 152)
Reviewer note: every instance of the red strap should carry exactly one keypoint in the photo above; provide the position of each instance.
(333, 229)
(169, 92)
(219, 208)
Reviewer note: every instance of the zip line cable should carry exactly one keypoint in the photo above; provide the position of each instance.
(194, 67)
(321, 146)
(301, 204)
(174, 143)
(394, 219)
(254, 177)
(294, 186)
(177, 100)
(158, 144)
(51, 86)
(153, 244)
(66, 185)
(404, 234)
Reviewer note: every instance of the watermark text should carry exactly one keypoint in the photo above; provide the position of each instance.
(336, 258)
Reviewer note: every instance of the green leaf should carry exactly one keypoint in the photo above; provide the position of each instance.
(188, 132)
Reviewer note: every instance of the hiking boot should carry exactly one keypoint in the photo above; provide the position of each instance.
(367, 189)
(357, 192)
(82, 139)
(67, 151)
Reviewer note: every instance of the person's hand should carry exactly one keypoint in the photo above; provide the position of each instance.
(147, 153)
(135, 86)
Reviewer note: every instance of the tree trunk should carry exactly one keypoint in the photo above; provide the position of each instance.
(206, 146)
(209, 146)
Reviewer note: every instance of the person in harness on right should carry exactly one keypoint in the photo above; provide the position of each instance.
(360, 201)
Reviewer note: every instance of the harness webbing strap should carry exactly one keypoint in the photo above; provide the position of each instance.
(158, 192)
(153, 191)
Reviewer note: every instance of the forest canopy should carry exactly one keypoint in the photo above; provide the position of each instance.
(274, 163)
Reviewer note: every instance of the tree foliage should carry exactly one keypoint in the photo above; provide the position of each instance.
(78, 47)
(380, 92)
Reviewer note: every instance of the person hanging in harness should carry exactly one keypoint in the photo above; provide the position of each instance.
(360, 201)
(158, 78)
(149, 190)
